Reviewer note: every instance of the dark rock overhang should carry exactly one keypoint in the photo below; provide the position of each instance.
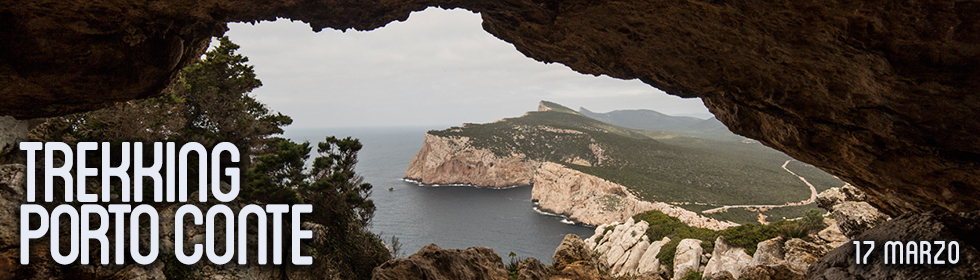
(882, 93)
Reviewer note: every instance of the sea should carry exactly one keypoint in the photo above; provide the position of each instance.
(505, 220)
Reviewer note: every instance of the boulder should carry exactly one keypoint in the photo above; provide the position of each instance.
(937, 225)
(776, 272)
(432, 262)
(531, 269)
(649, 263)
(726, 259)
(853, 218)
(12, 131)
(769, 252)
(571, 249)
(852, 194)
(629, 267)
(580, 270)
(801, 253)
(719, 275)
(829, 198)
(687, 257)
(832, 234)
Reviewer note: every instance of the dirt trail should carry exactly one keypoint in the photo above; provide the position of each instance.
(813, 196)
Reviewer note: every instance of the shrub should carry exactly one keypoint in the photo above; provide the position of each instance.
(692, 275)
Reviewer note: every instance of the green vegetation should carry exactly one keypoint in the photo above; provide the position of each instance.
(654, 165)
(211, 104)
(746, 236)
(692, 275)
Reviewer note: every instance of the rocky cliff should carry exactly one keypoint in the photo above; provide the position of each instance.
(592, 200)
(880, 93)
(453, 160)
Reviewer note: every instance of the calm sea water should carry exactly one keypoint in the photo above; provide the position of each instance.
(451, 217)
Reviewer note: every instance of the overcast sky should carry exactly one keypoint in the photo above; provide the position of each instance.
(438, 68)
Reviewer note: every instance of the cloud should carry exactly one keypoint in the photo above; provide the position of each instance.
(437, 68)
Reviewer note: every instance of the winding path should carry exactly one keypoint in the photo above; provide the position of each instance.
(813, 196)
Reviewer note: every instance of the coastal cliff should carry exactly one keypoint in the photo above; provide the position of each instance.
(453, 160)
(592, 200)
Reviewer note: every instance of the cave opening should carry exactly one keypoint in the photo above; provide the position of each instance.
(438, 68)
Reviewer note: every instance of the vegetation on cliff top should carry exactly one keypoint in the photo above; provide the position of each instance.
(682, 169)
(747, 236)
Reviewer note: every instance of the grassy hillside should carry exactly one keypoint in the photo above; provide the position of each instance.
(655, 121)
(657, 166)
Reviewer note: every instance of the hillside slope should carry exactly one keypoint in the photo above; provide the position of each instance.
(694, 173)
(655, 121)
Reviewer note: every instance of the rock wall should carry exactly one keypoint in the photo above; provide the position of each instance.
(880, 93)
(591, 200)
(626, 250)
(453, 160)
(726, 258)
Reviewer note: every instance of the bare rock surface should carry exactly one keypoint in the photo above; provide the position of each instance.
(687, 257)
(853, 218)
(12, 131)
(432, 262)
(453, 160)
(571, 249)
(727, 259)
(595, 201)
(840, 264)
(880, 93)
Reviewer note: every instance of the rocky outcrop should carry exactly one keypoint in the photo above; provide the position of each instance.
(839, 264)
(531, 269)
(432, 262)
(571, 249)
(726, 259)
(687, 257)
(852, 214)
(624, 249)
(453, 160)
(12, 131)
(864, 90)
(853, 218)
(594, 201)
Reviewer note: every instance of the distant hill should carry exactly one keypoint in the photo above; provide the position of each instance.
(652, 120)
(656, 165)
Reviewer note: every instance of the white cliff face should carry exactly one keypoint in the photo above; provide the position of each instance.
(594, 201)
(626, 250)
(453, 160)
(687, 258)
(726, 258)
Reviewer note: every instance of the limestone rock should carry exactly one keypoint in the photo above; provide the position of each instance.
(453, 160)
(839, 264)
(649, 263)
(584, 198)
(687, 257)
(853, 218)
(727, 259)
(801, 253)
(631, 264)
(832, 234)
(580, 270)
(12, 131)
(571, 249)
(12, 195)
(866, 94)
(829, 198)
(432, 262)
(531, 269)
(720, 275)
(769, 252)
(776, 272)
